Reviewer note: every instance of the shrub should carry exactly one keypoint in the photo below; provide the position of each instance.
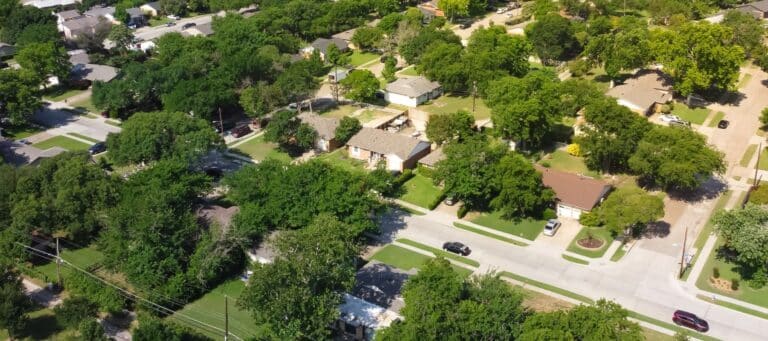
(74, 310)
(716, 272)
(573, 149)
(548, 214)
(426, 171)
(403, 177)
(734, 284)
(579, 67)
(463, 210)
(590, 219)
(759, 279)
(436, 202)
(666, 109)
(545, 164)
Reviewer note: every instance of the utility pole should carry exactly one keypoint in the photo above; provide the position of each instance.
(58, 264)
(221, 122)
(474, 95)
(682, 257)
(226, 319)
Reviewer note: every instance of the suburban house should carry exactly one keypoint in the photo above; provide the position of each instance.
(136, 17)
(412, 91)
(93, 72)
(429, 10)
(64, 16)
(433, 158)
(346, 36)
(758, 9)
(75, 28)
(7, 50)
(51, 3)
(202, 30)
(575, 193)
(321, 46)
(398, 151)
(645, 92)
(151, 9)
(325, 128)
(100, 11)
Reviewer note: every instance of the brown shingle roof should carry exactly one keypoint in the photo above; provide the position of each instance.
(644, 89)
(574, 190)
(382, 142)
(433, 158)
(325, 126)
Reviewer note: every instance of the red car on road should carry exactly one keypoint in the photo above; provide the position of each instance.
(690, 320)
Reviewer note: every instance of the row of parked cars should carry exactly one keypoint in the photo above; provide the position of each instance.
(676, 121)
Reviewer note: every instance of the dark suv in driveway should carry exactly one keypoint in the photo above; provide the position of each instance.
(690, 320)
(457, 247)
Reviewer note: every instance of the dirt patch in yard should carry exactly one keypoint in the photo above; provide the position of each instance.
(721, 284)
(590, 243)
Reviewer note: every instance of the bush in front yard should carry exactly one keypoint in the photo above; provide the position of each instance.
(425, 171)
(463, 210)
(548, 214)
(590, 219)
(437, 201)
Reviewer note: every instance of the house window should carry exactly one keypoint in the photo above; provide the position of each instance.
(355, 149)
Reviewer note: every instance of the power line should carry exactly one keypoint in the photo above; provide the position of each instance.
(157, 307)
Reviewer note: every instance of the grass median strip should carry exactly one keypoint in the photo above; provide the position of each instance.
(716, 118)
(547, 287)
(488, 234)
(748, 154)
(620, 252)
(733, 306)
(575, 260)
(439, 252)
(83, 137)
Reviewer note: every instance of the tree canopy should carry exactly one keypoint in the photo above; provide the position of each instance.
(553, 38)
(605, 320)
(630, 207)
(13, 302)
(450, 127)
(44, 60)
(19, 95)
(360, 86)
(744, 233)
(676, 158)
(520, 190)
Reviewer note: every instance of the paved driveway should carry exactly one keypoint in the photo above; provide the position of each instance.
(147, 33)
(62, 122)
(565, 234)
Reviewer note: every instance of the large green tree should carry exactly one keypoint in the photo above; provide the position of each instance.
(553, 38)
(676, 158)
(745, 234)
(298, 294)
(450, 127)
(629, 208)
(625, 47)
(521, 192)
(604, 320)
(160, 135)
(287, 130)
(748, 32)
(348, 127)
(14, 304)
(360, 86)
(467, 168)
(439, 305)
(45, 59)
(698, 56)
(19, 95)
(454, 8)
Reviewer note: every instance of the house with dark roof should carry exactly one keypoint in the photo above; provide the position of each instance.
(575, 193)
(151, 9)
(412, 91)
(645, 92)
(136, 17)
(93, 72)
(75, 28)
(757, 9)
(325, 128)
(64, 16)
(7, 50)
(397, 151)
(100, 11)
(321, 46)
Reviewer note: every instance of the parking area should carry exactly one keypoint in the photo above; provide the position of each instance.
(565, 234)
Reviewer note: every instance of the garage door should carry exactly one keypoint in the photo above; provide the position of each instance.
(568, 212)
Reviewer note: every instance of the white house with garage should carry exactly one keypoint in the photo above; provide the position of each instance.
(412, 91)
(575, 193)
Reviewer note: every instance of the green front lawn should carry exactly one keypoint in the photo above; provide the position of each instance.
(597, 232)
(440, 252)
(358, 58)
(748, 154)
(210, 309)
(447, 104)
(258, 149)
(728, 272)
(371, 115)
(42, 325)
(409, 71)
(63, 142)
(340, 158)
(562, 161)
(20, 131)
(339, 111)
(159, 20)
(85, 104)
(421, 191)
(83, 137)
(693, 115)
(744, 80)
(763, 163)
(716, 118)
(405, 259)
(61, 93)
(82, 258)
(527, 228)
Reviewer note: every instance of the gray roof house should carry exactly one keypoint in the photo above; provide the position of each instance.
(100, 11)
(321, 45)
(7, 50)
(136, 17)
(80, 26)
(325, 128)
(78, 57)
(94, 72)
(644, 91)
(412, 91)
(758, 9)
(19, 154)
(397, 151)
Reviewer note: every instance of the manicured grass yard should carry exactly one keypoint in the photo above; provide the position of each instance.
(526, 228)
(409, 71)
(405, 259)
(727, 272)
(159, 20)
(421, 191)
(359, 58)
(562, 161)
(748, 154)
(599, 233)
(447, 104)
(210, 309)
(716, 118)
(59, 94)
(86, 104)
(440, 252)
(744, 80)
(81, 136)
(575, 260)
(82, 258)
(341, 159)
(63, 142)
(19, 132)
(258, 149)
(693, 115)
(370, 115)
(339, 111)
(763, 164)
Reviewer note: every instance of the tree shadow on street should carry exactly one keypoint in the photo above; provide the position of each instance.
(710, 189)
(657, 229)
(390, 222)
